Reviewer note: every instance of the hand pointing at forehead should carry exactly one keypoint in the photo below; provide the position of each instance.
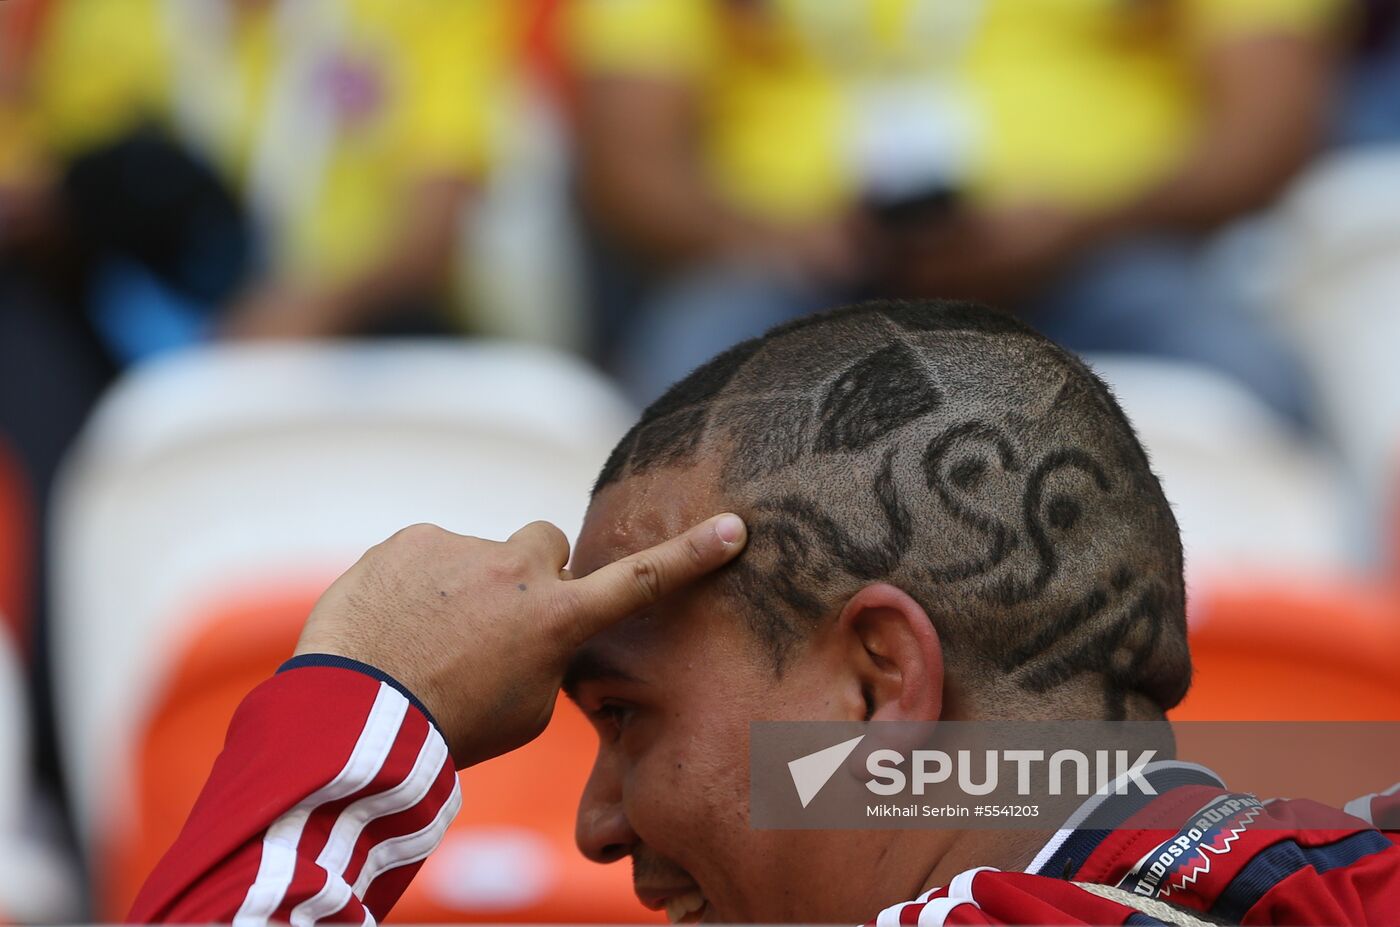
(480, 631)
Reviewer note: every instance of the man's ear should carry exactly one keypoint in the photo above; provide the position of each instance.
(897, 656)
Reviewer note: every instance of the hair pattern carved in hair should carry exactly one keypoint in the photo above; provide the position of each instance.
(954, 452)
(1064, 511)
(879, 393)
(955, 483)
(863, 561)
(1119, 649)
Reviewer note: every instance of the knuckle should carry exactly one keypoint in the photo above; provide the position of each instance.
(539, 526)
(420, 533)
(509, 564)
(544, 535)
(565, 610)
(554, 533)
(694, 552)
(646, 576)
(566, 603)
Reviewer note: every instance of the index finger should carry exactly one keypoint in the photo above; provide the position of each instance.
(628, 585)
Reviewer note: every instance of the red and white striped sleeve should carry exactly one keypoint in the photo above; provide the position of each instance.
(333, 786)
(987, 896)
(1379, 809)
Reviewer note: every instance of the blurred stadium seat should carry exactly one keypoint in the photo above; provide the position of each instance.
(234, 646)
(223, 475)
(1341, 254)
(1249, 494)
(16, 559)
(1392, 539)
(1305, 651)
(37, 884)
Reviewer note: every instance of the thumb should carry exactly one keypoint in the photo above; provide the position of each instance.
(628, 585)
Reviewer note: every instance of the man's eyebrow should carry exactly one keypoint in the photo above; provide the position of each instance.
(591, 666)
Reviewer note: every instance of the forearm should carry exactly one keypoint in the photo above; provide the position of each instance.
(1265, 104)
(672, 224)
(641, 175)
(331, 783)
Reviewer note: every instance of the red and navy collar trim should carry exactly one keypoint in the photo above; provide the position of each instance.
(1067, 851)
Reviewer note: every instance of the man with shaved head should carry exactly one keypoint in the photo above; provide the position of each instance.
(945, 517)
(947, 450)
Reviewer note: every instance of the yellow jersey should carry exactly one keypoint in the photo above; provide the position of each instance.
(806, 103)
(320, 111)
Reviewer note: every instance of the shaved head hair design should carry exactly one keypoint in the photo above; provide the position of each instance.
(954, 452)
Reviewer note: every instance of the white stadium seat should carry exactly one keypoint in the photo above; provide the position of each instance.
(1249, 494)
(37, 883)
(234, 466)
(1340, 244)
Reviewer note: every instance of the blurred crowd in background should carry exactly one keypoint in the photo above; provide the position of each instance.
(642, 183)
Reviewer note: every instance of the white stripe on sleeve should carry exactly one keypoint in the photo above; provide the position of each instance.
(410, 848)
(935, 912)
(279, 852)
(340, 846)
(1361, 807)
(889, 917)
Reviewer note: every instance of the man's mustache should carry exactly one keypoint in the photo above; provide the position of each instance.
(651, 868)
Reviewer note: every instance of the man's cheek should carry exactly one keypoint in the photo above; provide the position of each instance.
(671, 807)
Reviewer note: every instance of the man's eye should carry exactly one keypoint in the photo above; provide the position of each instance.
(613, 715)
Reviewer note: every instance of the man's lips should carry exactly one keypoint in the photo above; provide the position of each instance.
(682, 903)
(654, 897)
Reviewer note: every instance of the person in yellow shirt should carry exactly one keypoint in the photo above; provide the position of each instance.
(757, 156)
(352, 130)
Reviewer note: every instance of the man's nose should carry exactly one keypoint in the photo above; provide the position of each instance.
(602, 830)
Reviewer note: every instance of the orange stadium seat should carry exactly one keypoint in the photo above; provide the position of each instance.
(239, 645)
(509, 856)
(1307, 653)
(1327, 656)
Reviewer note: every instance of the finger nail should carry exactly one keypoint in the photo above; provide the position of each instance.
(729, 528)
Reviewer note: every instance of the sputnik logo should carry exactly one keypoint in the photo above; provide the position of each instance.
(812, 772)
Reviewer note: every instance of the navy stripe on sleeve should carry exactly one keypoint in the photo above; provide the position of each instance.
(1282, 860)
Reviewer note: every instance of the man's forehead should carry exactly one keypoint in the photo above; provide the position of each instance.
(641, 511)
(624, 650)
